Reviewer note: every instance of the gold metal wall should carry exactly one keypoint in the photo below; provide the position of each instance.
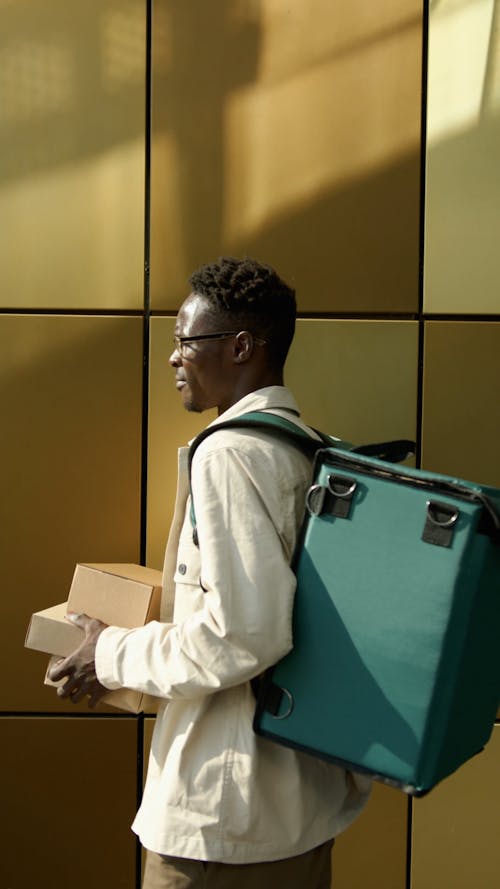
(70, 449)
(69, 794)
(72, 169)
(455, 829)
(291, 132)
(72, 113)
(463, 145)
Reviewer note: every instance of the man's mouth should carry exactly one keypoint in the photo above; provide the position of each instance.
(179, 384)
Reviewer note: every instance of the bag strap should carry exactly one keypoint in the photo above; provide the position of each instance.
(309, 443)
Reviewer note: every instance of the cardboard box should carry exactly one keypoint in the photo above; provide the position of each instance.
(48, 631)
(121, 595)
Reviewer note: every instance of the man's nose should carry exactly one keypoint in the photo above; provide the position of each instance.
(175, 358)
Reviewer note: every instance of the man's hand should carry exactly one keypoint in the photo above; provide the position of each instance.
(79, 667)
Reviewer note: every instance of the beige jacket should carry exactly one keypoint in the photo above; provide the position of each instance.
(214, 790)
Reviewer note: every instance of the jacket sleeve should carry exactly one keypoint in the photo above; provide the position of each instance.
(243, 623)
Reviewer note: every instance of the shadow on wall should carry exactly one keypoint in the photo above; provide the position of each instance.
(68, 75)
(270, 145)
(202, 52)
(352, 249)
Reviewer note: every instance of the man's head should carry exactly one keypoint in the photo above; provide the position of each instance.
(253, 310)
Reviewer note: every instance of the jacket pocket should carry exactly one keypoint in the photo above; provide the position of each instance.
(188, 592)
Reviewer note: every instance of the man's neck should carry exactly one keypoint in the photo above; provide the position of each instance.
(245, 387)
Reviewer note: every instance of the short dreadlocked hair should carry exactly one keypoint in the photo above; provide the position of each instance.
(247, 294)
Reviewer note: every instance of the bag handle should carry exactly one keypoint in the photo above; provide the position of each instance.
(390, 451)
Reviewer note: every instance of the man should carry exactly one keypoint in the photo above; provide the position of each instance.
(221, 806)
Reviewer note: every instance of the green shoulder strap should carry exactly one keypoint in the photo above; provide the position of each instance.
(273, 423)
(393, 451)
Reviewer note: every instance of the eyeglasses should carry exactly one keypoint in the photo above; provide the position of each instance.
(181, 341)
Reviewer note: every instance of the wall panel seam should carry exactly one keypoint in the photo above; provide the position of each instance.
(147, 296)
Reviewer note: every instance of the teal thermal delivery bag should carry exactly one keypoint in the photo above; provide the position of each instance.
(395, 666)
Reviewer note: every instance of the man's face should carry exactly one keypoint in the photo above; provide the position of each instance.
(204, 370)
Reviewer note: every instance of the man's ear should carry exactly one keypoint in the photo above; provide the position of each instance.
(243, 346)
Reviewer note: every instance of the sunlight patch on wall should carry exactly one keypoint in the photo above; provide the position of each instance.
(459, 36)
(123, 46)
(36, 79)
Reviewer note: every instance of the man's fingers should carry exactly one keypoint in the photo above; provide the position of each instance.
(66, 690)
(74, 689)
(78, 695)
(79, 666)
(81, 620)
(96, 696)
(60, 669)
(90, 625)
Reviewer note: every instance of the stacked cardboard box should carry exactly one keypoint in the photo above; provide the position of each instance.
(119, 595)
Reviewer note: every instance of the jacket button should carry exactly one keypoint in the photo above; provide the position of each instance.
(182, 568)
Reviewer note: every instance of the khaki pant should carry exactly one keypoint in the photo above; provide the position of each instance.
(312, 870)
